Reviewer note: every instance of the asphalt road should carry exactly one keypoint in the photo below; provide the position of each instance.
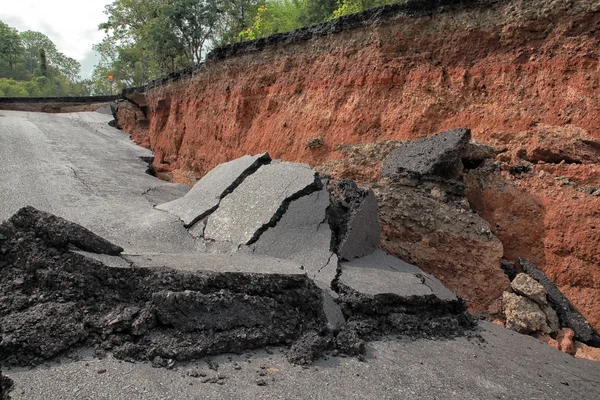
(76, 166)
(79, 168)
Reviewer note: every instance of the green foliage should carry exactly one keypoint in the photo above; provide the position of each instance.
(346, 7)
(31, 65)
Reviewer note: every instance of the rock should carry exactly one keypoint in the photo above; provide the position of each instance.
(565, 341)
(60, 233)
(551, 318)
(348, 342)
(207, 193)
(259, 202)
(567, 314)
(308, 348)
(303, 235)
(333, 312)
(526, 286)
(495, 310)
(434, 155)
(582, 350)
(315, 143)
(352, 216)
(523, 315)
(544, 219)
(548, 340)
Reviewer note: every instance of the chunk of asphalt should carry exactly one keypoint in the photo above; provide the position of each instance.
(439, 155)
(60, 233)
(259, 202)
(397, 298)
(363, 232)
(333, 312)
(567, 313)
(197, 230)
(180, 306)
(303, 235)
(206, 194)
(405, 279)
(352, 216)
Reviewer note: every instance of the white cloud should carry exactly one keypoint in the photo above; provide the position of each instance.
(71, 24)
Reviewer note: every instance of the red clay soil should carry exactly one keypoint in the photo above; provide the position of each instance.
(514, 73)
(507, 69)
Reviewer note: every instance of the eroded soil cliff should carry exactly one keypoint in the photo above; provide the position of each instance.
(523, 75)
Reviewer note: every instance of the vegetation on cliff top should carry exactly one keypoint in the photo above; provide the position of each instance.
(146, 39)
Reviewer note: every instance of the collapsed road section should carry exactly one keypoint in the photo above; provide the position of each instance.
(290, 259)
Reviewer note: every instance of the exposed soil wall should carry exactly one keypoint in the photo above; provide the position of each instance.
(505, 69)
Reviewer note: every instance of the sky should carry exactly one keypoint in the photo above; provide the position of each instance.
(71, 24)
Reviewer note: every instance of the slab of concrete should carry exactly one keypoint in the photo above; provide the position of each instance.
(303, 235)
(259, 202)
(206, 194)
(434, 155)
(221, 263)
(363, 232)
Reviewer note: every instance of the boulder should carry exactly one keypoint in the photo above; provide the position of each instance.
(523, 315)
(526, 286)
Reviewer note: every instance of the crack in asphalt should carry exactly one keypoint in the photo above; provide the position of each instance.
(80, 179)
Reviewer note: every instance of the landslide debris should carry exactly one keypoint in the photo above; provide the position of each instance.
(53, 300)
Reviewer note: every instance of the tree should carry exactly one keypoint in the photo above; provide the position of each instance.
(34, 42)
(10, 45)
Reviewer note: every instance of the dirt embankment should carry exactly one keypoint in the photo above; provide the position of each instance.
(523, 75)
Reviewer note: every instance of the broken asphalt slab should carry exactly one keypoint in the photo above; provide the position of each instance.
(382, 274)
(259, 202)
(303, 235)
(382, 295)
(352, 216)
(206, 194)
(53, 301)
(438, 155)
(61, 233)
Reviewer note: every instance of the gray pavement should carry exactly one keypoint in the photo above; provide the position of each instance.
(77, 167)
(506, 366)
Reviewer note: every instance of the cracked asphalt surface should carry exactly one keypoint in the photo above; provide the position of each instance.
(79, 168)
